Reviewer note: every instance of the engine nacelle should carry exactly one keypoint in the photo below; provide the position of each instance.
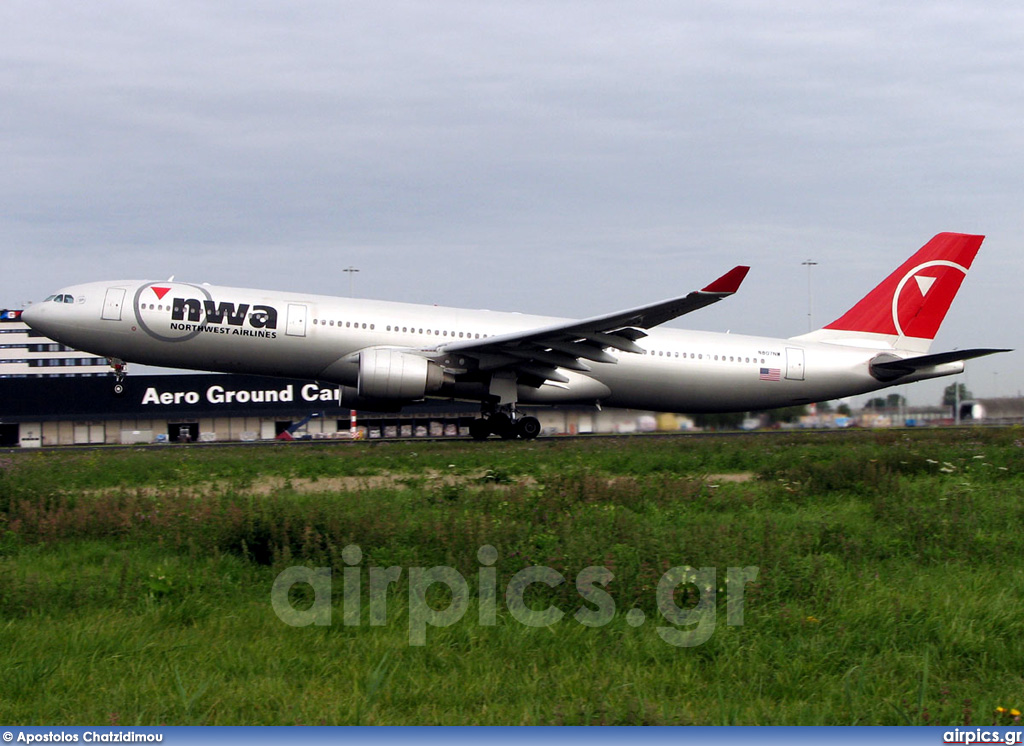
(349, 398)
(392, 374)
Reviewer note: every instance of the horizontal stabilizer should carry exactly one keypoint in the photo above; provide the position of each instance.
(889, 369)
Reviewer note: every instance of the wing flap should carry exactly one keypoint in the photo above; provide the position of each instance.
(618, 340)
(583, 350)
(550, 357)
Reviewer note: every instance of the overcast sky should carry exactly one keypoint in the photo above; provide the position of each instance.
(562, 157)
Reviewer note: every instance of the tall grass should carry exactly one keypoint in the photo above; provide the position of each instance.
(135, 585)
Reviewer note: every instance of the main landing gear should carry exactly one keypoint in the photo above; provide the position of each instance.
(500, 416)
(507, 424)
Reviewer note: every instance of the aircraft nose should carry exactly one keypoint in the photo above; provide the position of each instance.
(36, 317)
(29, 315)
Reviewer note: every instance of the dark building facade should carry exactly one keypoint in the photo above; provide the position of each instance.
(200, 407)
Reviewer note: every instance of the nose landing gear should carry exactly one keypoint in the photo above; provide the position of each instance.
(120, 371)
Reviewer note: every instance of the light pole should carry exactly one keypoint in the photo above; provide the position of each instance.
(351, 280)
(809, 264)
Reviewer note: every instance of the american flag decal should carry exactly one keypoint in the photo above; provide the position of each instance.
(770, 374)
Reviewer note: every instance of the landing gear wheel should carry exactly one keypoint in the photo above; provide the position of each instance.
(528, 428)
(501, 425)
(118, 389)
(479, 429)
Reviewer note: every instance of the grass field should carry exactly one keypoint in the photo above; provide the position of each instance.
(135, 585)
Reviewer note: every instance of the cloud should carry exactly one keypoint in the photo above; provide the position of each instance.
(565, 157)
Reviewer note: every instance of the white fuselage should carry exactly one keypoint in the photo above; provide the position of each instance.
(315, 337)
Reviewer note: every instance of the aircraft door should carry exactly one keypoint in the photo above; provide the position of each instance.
(112, 304)
(296, 320)
(794, 364)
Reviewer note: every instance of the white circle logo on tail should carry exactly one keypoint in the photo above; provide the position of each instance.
(923, 283)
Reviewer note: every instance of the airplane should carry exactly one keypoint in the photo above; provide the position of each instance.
(384, 355)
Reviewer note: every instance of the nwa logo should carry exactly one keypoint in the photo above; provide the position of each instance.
(193, 312)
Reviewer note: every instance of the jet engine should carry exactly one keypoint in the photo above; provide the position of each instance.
(393, 374)
(349, 398)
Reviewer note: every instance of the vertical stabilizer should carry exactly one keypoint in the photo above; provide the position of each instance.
(906, 309)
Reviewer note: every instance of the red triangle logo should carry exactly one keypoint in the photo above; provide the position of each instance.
(160, 292)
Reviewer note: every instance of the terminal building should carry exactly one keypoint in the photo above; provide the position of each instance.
(194, 407)
(212, 407)
(25, 353)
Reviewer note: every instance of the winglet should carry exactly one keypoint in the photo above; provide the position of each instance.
(729, 282)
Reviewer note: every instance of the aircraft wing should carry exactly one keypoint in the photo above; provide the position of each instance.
(535, 354)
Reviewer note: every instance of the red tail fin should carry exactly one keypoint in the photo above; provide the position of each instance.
(913, 300)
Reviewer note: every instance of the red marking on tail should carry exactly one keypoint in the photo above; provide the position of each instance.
(913, 300)
(160, 292)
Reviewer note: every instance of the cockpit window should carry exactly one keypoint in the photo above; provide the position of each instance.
(49, 298)
(61, 299)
